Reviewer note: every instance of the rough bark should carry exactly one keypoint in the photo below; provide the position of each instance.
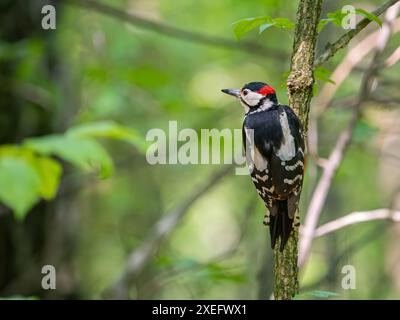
(299, 84)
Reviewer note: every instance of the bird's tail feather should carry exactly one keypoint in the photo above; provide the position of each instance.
(280, 225)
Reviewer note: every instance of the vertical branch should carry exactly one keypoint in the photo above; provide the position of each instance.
(299, 84)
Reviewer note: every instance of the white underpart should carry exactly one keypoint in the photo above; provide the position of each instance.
(287, 149)
(291, 181)
(291, 168)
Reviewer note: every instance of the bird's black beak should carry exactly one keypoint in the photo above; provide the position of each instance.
(232, 92)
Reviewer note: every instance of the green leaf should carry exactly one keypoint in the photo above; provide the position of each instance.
(283, 23)
(49, 171)
(19, 183)
(323, 74)
(264, 27)
(110, 130)
(322, 23)
(243, 26)
(369, 16)
(84, 153)
(336, 17)
(315, 89)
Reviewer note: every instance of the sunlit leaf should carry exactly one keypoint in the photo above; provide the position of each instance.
(315, 89)
(322, 23)
(336, 17)
(264, 27)
(369, 16)
(110, 130)
(19, 184)
(49, 171)
(323, 74)
(84, 153)
(283, 23)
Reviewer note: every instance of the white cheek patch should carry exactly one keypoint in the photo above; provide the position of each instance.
(252, 98)
(287, 149)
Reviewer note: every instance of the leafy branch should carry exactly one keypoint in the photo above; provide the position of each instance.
(175, 32)
(346, 38)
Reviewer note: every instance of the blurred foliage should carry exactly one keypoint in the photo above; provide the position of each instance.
(76, 104)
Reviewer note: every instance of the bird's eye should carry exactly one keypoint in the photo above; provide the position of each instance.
(245, 92)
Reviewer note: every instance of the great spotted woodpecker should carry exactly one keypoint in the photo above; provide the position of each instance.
(277, 155)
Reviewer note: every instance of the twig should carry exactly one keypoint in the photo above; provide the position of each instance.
(163, 277)
(171, 31)
(342, 71)
(356, 217)
(140, 257)
(321, 191)
(393, 59)
(345, 39)
(358, 244)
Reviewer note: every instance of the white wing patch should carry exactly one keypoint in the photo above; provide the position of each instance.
(287, 149)
(256, 158)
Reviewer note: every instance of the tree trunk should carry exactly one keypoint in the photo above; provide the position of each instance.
(299, 84)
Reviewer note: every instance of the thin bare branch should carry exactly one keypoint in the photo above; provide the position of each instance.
(346, 38)
(356, 217)
(341, 73)
(165, 277)
(393, 59)
(174, 32)
(141, 256)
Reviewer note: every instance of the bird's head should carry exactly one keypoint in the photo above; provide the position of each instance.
(254, 95)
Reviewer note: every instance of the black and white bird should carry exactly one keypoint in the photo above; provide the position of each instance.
(273, 134)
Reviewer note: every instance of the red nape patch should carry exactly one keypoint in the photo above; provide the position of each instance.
(266, 90)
